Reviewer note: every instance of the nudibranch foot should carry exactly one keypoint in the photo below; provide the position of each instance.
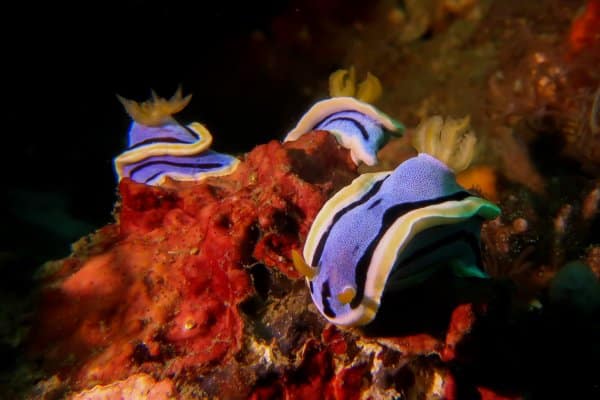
(451, 141)
(159, 148)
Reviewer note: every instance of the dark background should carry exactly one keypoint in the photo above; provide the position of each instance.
(63, 124)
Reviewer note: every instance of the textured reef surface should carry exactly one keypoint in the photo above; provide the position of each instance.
(192, 292)
(161, 289)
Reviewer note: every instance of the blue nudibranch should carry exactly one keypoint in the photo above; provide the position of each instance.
(160, 148)
(389, 229)
(357, 125)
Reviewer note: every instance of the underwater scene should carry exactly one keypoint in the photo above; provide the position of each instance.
(305, 199)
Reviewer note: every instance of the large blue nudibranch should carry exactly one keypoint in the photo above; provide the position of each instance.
(389, 229)
(160, 148)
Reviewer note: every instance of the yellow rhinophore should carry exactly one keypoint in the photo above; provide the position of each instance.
(342, 83)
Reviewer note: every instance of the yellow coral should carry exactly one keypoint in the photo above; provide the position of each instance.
(451, 141)
(156, 111)
(343, 83)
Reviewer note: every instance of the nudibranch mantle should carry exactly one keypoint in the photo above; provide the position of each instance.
(160, 148)
(357, 126)
(386, 229)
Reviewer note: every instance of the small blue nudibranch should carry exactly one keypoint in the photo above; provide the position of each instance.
(160, 148)
(389, 229)
(357, 126)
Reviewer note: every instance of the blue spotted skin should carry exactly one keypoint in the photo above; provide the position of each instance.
(396, 228)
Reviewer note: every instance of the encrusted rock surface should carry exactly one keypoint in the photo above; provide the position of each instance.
(159, 291)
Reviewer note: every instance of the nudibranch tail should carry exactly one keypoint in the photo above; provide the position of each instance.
(159, 148)
(301, 266)
(156, 111)
(451, 141)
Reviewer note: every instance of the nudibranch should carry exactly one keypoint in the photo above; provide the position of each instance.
(356, 124)
(160, 148)
(387, 230)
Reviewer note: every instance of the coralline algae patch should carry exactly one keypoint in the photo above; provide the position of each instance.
(159, 291)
